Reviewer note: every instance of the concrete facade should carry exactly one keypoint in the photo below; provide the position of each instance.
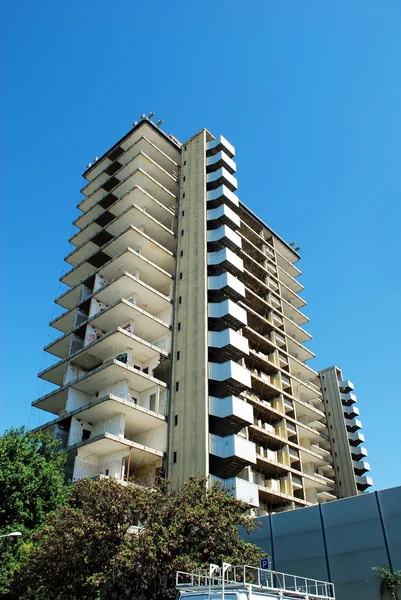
(182, 348)
(338, 541)
(345, 435)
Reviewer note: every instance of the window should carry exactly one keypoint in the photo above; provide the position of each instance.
(85, 434)
(175, 419)
(174, 457)
(179, 327)
(182, 253)
(177, 385)
(178, 355)
(182, 232)
(184, 178)
(185, 162)
(180, 300)
(181, 275)
(146, 371)
(152, 402)
(183, 195)
(185, 148)
(183, 213)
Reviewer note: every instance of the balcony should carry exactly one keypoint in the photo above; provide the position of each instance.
(219, 178)
(363, 483)
(229, 415)
(221, 195)
(228, 378)
(361, 467)
(92, 356)
(223, 236)
(230, 454)
(242, 490)
(227, 345)
(353, 425)
(348, 398)
(358, 453)
(224, 260)
(223, 214)
(91, 381)
(346, 386)
(356, 438)
(351, 412)
(218, 160)
(226, 314)
(220, 143)
(119, 179)
(225, 286)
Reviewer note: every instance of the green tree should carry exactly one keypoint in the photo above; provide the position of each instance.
(31, 485)
(91, 547)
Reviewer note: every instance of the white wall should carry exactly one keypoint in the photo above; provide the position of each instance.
(154, 438)
(120, 389)
(96, 306)
(99, 282)
(76, 429)
(76, 399)
(114, 425)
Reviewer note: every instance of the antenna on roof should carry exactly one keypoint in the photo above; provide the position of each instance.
(135, 123)
(297, 248)
(292, 244)
(159, 123)
(150, 115)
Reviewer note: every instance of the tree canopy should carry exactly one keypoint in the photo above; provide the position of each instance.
(111, 541)
(31, 486)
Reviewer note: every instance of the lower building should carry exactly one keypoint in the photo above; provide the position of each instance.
(345, 436)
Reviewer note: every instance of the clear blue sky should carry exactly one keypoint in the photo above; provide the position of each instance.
(309, 92)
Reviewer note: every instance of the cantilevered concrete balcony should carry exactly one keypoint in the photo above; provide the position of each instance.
(228, 378)
(242, 490)
(225, 286)
(220, 159)
(361, 467)
(131, 237)
(138, 178)
(358, 453)
(147, 298)
(230, 454)
(91, 382)
(348, 398)
(91, 356)
(147, 326)
(143, 221)
(105, 444)
(363, 483)
(229, 415)
(356, 438)
(219, 144)
(221, 177)
(227, 345)
(224, 260)
(350, 412)
(117, 180)
(141, 145)
(221, 195)
(128, 260)
(353, 425)
(226, 313)
(223, 236)
(346, 386)
(223, 215)
(143, 129)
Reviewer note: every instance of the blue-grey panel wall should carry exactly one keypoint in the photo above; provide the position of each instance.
(299, 543)
(339, 541)
(390, 505)
(355, 544)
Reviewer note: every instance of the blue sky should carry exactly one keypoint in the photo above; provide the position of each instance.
(309, 93)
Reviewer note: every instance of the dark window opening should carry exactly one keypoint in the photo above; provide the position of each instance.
(179, 327)
(86, 434)
(175, 419)
(182, 253)
(174, 457)
(178, 355)
(180, 300)
(180, 275)
(177, 385)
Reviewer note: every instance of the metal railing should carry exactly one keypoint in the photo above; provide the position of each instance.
(258, 580)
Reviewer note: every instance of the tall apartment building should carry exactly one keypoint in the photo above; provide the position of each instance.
(182, 348)
(345, 436)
